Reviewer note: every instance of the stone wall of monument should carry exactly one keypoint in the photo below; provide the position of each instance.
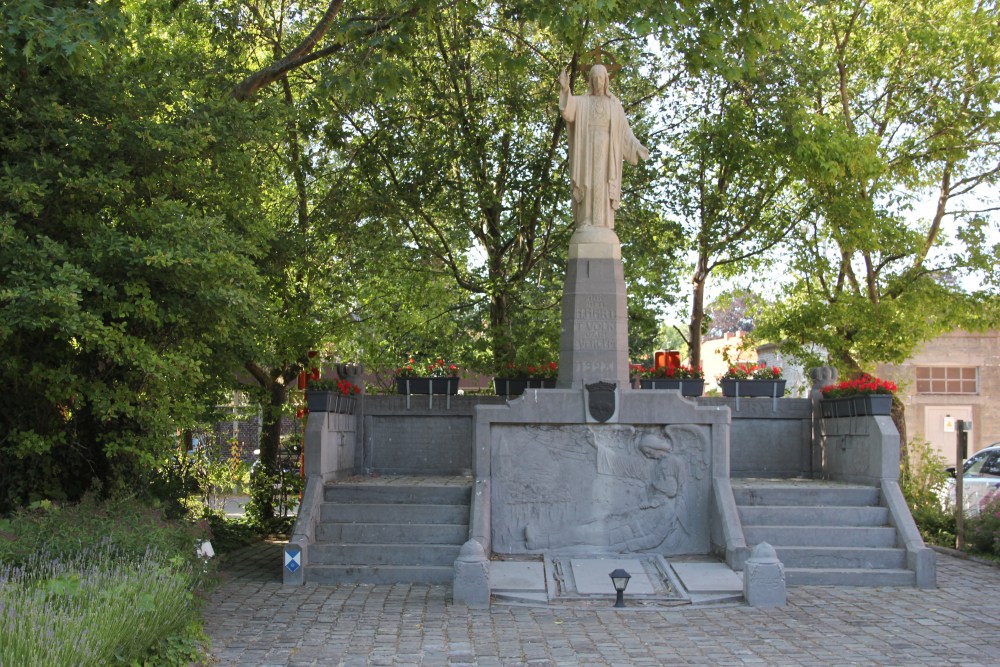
(423, 436)
(769, 438)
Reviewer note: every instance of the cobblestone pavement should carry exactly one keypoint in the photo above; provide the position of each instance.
(253, 620)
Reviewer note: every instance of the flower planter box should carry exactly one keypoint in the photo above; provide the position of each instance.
(837, 407)
(752, 388)
(408, 386)
(330, 401)
(516, 386)
(857, 406)
(872, 404)
(688, 387)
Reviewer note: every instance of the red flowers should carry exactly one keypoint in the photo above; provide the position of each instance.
(859, 386)
(751, 371)
(347, 388)
(434, 369)
(666, 372)
(540, 371)
(342, 387)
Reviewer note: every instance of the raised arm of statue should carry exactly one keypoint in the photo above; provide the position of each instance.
(566, 106)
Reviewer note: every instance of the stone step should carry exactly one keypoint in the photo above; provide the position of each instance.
(382, 533)
(394, 514)
(379, 574)
(775, 515)
(799, 494)
(842, 557)
(442, 555)
(849, 577)
(821, 536)
(387, 494)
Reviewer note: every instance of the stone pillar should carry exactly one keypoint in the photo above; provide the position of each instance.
(593, 344)
(764, 578)
(471, 583)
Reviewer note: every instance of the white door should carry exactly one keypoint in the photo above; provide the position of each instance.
(939, 428)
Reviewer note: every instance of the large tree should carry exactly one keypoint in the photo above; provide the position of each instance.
(730, 174)
(899, 147)
(126, 228)
(461, 144)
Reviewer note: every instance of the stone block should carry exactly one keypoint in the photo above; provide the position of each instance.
(764, 578)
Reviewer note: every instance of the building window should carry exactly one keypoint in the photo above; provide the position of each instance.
(947, 380)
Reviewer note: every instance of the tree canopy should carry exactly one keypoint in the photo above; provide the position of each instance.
(194, 196)
(898, 142)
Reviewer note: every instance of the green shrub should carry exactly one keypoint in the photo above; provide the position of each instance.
(923, 479)
(64, 530)
(229, 534)
(102, 605)
(274, 495)
(982, 531)
(203, 478)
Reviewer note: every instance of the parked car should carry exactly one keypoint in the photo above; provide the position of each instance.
(980, 480)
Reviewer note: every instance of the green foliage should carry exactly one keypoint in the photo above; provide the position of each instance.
(230, 533)
(205, 477)
(277, 489)
(457, 201)
(729, 173)
(127, 226)
(65, 530)
(923, 479)
(99, 583)
(183, 648)
(895, 146)
(982, 531)
(98, 605)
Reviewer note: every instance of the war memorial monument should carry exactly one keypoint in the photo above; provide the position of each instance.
(567, 483)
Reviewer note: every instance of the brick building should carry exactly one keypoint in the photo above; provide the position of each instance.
(954, 376)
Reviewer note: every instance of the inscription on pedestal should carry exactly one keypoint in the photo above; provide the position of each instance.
(593, 367)
(596, 335)
(594, 341)
(596, 307)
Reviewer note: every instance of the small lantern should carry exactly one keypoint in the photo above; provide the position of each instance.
(619, 578)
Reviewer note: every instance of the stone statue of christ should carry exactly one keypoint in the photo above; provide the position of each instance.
(599, 139)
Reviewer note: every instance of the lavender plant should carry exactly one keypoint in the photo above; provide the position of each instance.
(99, 606)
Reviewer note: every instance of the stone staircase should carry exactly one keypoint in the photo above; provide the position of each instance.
(390, 530)
(824, 533)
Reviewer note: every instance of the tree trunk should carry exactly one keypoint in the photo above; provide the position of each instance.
(697, 316)
(270, 437)
(275, 384)
(504, 351)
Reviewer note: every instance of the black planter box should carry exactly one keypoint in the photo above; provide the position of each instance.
(688, 387)
(873, 404)
(857, 406)
(753, 388)
(427, 385)
(516, 386)
(837, 407)
(330, 401)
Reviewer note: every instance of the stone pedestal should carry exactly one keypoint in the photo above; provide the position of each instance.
(471, 584)
(593, 344)
(764, 578)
